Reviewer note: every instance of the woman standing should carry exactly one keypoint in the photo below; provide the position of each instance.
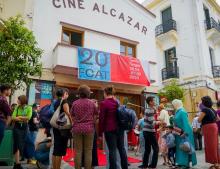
(61, 136)
(84, 112)
(21, 115)
(108, 124)
(208, 118)
(181, 121)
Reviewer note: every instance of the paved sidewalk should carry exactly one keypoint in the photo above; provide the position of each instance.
(200, 158)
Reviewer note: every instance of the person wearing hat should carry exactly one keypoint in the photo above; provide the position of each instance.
(29, 149)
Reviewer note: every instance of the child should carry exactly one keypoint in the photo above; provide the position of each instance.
(170, 142)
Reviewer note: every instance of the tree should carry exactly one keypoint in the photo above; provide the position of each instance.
(19, 54)
(172, 91)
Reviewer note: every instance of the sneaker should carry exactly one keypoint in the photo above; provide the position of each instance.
(33, 162)
(17, 166)
(141, 166)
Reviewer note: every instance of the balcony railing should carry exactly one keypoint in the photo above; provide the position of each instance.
(216, 71)
(165, 27)
(169, 73)
(211, 23)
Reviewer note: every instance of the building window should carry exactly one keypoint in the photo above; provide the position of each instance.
(72, 37)
(170, 58)
(127, 49)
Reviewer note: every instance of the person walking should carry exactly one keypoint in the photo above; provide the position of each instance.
(208, 118)
(5, 110)
(84, 114)
(21, 115)
(150, 135)
(114, 136)
(197, 133)
(61, 137)
(32, 134)
(181, 121)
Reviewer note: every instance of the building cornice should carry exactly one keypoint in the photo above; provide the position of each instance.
(153, 4)
(215, 5)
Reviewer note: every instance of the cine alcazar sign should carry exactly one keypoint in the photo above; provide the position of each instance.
(102, 9)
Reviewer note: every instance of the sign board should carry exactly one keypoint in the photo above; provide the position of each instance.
(108, 67)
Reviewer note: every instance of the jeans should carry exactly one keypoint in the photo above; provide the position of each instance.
(2, 130)
(142, 145)
(51, 149)
(83, 143)
(115, 141)
(150, 142)
(198, 140)
(118, 162)
(171, 155)
(29, 149)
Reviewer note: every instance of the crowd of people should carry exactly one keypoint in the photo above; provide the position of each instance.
(164, 131)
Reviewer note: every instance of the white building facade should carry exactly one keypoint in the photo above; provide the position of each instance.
(188, 45)
(121, 27)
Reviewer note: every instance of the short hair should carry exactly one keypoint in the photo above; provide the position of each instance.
(207, 101)
(218, 103)
(4, 87)
(149, 99)
(22, 99)
(109, 90)
(177, 103)
(84, 91)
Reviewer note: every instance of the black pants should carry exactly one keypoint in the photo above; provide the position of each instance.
(115, 140)
(171, 155)
(150, 142)
(198, 140)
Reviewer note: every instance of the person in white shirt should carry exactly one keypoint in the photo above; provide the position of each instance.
(197, 132)
(164, 115)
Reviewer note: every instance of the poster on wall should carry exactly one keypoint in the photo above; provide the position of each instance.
(40, 92)
(108, 67)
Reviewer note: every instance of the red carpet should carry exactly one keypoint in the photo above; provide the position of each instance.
(101, 156)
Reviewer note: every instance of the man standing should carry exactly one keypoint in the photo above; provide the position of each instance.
(197, 133)
(5, 110)
(150, 135)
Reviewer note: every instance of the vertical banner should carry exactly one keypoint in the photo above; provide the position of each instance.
(108, 67)
(40, 92)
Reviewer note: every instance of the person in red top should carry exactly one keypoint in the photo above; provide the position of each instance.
(84, 113)
(5, 110)
(113, 135)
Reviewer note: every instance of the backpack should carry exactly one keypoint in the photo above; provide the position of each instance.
(126, 118)
(46, 114)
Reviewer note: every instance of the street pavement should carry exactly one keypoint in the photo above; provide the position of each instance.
(200, 159)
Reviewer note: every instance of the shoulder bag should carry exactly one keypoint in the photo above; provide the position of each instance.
(60, 120)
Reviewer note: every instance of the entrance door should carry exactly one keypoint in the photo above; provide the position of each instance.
(129, 98)
(207, 18)
(167, 19)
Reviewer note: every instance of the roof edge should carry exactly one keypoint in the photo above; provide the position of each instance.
(145, 9)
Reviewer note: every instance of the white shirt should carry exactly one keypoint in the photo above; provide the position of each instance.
(164, 116)
(195, 123)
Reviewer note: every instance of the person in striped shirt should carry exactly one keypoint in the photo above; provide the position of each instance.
(150, 134)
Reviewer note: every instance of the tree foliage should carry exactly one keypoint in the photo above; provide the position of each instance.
(172, 91)
(19, 54)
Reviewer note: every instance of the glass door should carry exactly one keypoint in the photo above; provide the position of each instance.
(167, 19)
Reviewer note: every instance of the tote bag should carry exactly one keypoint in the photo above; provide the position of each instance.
(60, 120)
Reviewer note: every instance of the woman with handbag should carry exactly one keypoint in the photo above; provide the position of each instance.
(21, 115)
(208, 118)
(84, 114)
(183, 158)
(61, 123)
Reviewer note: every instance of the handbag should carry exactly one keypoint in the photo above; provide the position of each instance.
(185, 145)
(60, 120)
